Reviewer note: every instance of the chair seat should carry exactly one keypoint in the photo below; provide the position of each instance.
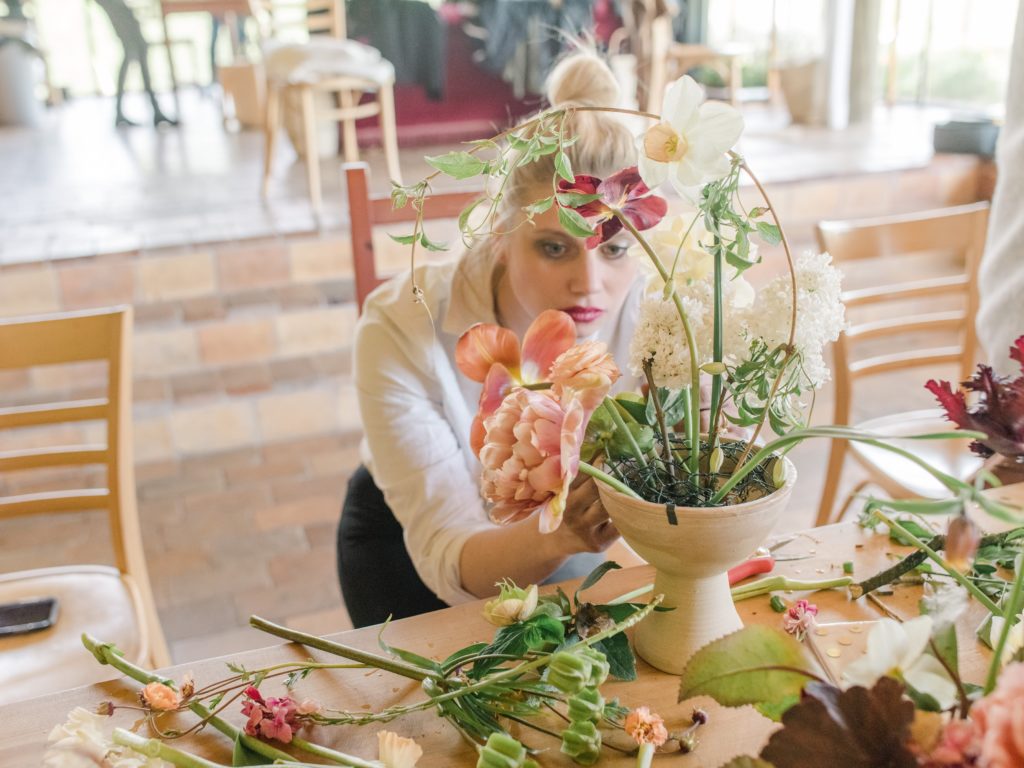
(324, 58)
(94, 599)
(901, 477)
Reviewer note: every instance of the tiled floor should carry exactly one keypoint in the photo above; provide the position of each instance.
(245, 423)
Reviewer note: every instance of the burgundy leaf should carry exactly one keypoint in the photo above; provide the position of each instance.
(856, 728)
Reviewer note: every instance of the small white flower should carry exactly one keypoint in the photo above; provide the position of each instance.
(394, 751)
(898, 650)
(1014, 640)
(82, 742)
(688, 146)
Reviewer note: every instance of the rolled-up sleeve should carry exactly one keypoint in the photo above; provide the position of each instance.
(415, 456)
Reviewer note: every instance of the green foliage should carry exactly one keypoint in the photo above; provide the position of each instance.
(582, 742)
(756, 665)
(458, 165)
(750, 383)
(574, 223)
(242, 755)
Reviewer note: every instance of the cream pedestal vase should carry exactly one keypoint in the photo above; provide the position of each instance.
(692, 559)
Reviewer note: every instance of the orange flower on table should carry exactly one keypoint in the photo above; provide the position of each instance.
(646, 727)
(160, 697)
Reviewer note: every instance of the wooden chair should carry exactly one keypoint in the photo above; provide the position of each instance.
(366, 211)
(350, 73)
(960, 231)
(113, 603)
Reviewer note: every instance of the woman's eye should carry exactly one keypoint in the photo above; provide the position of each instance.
(553, 249)
(612, 251)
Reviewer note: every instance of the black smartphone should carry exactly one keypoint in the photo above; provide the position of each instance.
(29, 615)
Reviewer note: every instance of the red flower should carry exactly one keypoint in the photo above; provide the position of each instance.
(270, 718)
(624, 191)
(999, 411)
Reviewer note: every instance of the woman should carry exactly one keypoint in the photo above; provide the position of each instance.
(414, 533)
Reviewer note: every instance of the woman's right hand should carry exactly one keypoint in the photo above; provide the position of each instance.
(585, 526)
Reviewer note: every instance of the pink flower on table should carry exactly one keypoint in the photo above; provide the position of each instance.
(531, 455)
(491, 355)
(957, 746)
(586, 369)
(646, 727)
(799, 619)
(271, 718)
(624, 191)
(160, 697)
(999, 718)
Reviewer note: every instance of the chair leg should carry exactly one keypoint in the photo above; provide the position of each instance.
(312, 155)
(349, 143)
(389, 131)
(837, 455)
(271, 118)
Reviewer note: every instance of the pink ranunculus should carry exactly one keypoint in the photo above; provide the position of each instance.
(1000, 720)
(586, 369)
(531, 455)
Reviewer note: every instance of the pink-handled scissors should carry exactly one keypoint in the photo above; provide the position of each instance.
(763, 562)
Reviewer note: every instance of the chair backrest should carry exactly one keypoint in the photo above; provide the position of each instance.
(366, 211)
(315, 16)
(79, 337)
(959, 231)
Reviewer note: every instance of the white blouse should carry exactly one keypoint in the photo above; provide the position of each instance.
(417, 408)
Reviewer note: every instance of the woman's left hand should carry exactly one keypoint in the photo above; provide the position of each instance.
(586, 526)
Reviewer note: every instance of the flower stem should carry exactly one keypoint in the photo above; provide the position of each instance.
(776, 583)
(106, 653)
(717, 354)
(693, 421)
(363, 657)
(604, 477)
(645, 755)
(966, 583)
(613, 412)
(666, 444)
(156, 748)
(1013, 609)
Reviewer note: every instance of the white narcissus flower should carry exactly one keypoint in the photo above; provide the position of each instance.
(82, 742)
(688, 146)
(394, 751)
(511, 605)
(1014, 640)
(898, 650)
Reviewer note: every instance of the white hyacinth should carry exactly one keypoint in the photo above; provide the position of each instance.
(820, 316)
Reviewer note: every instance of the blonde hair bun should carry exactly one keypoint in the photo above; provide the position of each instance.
(582, 79)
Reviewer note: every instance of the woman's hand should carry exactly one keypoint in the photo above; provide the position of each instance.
(585, 526)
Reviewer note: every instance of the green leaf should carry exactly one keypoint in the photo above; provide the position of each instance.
(573, 223)
(595, 575)
(407, 656)
(619, 446)
(542, 631)
(563, 167)
(242, 755)
(458, 165)
(912, 527)
(756, 665)
(404, 239)
(430, 245)
(946, 647)
(758, 212)
(769, 233)
(466, 213)
(775, 710)
(510, 640)
(540, 206)
(634, 404)
(575, 199)
(621, 662)
(673, 403)
(463, 653)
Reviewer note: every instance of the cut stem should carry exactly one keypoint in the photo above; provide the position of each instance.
(666, 444)
(604, 477)
(1013, 609)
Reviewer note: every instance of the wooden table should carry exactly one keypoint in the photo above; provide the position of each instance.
(730, 731)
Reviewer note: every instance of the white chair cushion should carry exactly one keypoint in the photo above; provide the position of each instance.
(91, 598)
(323, 58)
(951, 456)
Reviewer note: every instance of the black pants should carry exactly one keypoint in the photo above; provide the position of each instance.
(377, 576)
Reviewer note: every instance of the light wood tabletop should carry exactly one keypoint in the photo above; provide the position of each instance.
(24, 726)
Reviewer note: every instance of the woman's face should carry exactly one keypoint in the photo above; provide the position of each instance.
(547, 268)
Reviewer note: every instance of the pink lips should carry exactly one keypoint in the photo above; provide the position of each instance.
(584, 315)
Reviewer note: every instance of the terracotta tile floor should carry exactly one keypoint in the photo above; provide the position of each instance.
(245, 420)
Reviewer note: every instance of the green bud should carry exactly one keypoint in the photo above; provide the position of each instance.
(588, 704)
(778, 604)
(713, 368)
(501, 751)
(716, 459)
(569, 672)
(582, 742)
(779, 472)
(600, 667)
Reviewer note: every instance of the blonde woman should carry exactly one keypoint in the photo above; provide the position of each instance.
(414, 534)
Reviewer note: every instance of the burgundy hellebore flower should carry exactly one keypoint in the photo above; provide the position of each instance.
(624, 191)
(999, 412)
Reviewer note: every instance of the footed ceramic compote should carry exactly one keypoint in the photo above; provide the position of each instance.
(692, 558)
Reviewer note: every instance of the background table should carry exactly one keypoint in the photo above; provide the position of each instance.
(24, 726)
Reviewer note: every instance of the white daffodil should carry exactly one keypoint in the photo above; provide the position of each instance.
(688, 146)
(897, 650)
(394, 751)
(1014, 641)
(511, 605)
(82, 742)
